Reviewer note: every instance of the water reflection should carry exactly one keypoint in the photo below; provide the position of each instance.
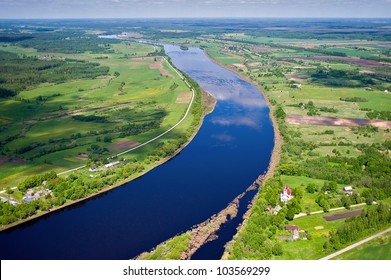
(231, 149)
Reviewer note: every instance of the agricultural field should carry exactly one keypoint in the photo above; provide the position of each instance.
(63, 110)
(332, 106)
(70, 99)
(376, 249)
(83, 112)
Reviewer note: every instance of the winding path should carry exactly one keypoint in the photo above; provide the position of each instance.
(355, 245)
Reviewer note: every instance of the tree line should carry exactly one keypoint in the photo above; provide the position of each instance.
(20, 73)
(371, 220)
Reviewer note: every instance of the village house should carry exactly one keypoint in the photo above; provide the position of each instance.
(348, 190)
(4, 200)
(286, 194)
(277, 209)
(111, 164)
(13, 202)
(294, 230)
(27, 199)
(93, 168)
(37, 195)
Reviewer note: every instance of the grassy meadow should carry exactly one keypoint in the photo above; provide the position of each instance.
(376, 249)
(41, 127)
(295, 76)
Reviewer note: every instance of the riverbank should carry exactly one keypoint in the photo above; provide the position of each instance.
(199, 235)
(317, 146)
(276, 153)
(208, 104)
(205, 231)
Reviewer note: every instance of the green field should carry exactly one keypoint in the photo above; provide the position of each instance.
(376, 249)
(309, 249)
(53, 121)
(132, 92)
(317, 155)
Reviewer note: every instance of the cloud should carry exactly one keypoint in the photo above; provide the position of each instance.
(237, 121)
(223, 137)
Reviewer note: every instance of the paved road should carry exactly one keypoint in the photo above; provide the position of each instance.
(355, 245)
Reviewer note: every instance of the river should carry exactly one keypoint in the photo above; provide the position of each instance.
(231, 149)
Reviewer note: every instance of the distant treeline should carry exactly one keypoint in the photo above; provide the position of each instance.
(341, 78)
(20, 73)
(379, 115)
(70, 41)
(14, 37)
(90, 118)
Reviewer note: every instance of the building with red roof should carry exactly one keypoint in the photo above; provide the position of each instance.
(286, 194)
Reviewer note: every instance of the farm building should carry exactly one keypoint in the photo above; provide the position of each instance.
(294, 230)
(4, 200)
(111, 164)
(286, 194)
(348, 189)
(27, 199)
(277, 209)
(93, 168)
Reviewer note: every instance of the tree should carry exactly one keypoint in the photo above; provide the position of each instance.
(311, 188)
(369, 200)
(346, 202)
(280, 113)
(277, 249)
(298, 193)
(326, 246)
(290, 214)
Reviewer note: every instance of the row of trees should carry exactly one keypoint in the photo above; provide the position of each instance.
(342, 78)
(371, 220)
(20, 73)
(71, 41)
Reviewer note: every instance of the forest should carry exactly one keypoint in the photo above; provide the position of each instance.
(355, 228)
(20, 73)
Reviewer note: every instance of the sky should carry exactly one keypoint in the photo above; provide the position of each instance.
(193, 8)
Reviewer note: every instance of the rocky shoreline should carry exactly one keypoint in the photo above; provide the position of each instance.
(206, 231)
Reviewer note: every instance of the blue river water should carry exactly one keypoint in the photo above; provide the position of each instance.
(231, 149)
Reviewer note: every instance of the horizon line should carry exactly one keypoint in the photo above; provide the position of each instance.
(162, 18)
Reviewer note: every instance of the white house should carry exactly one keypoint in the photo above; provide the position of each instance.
(348, 189)
(112, 164)
(277, 209)
(286, 194)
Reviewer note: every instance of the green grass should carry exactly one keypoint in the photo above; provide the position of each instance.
(376, 249)
(144, 93)
(223, 57)
(273, 75)
(309, 249)
(171, 250)
(308, 200)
